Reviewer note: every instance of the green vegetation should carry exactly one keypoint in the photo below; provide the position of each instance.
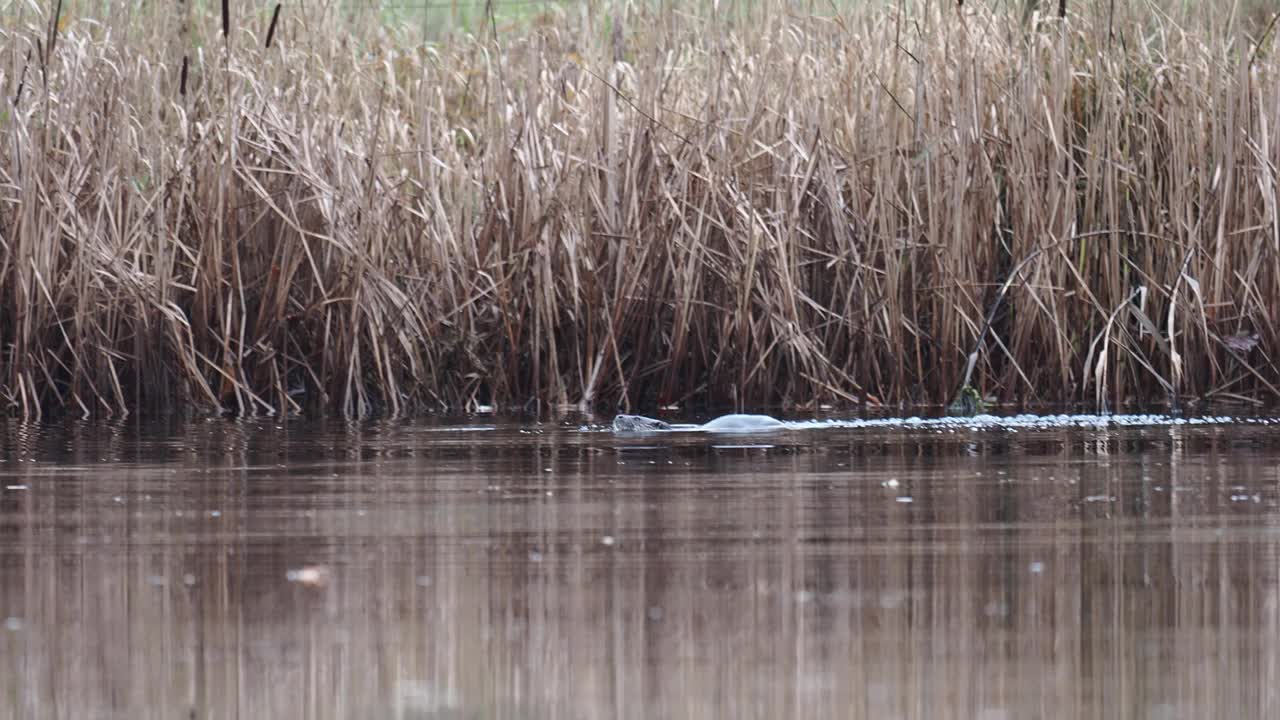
(619, 206)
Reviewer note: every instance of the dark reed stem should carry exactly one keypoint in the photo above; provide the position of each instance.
(22, 79)
(53, 31)
(271, 29)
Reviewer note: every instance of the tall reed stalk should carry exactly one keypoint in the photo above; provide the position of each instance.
(635, 207)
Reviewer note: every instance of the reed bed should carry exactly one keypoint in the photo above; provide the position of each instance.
(625, 206)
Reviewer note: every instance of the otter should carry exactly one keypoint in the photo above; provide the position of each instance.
(638, 424)
(736, 423)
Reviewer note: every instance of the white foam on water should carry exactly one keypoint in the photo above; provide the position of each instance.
(1025, 421)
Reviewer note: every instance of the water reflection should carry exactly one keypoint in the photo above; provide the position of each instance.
(256, 569)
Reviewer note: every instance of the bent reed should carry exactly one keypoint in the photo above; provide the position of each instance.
(619, 207)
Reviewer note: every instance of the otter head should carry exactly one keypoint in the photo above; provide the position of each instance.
(638, 424)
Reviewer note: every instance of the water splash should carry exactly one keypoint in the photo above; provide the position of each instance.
(1027, 421)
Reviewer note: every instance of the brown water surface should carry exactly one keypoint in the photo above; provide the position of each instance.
(259, 569)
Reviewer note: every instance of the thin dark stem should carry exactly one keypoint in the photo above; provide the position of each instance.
(271, 30)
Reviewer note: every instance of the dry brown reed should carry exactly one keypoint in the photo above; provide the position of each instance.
(623, 207)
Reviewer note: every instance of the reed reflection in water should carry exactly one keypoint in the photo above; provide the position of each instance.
(248, 569)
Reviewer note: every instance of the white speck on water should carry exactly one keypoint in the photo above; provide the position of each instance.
(310, 575)
(535, 556)
(118, 500)
(890, 483)
(177, 513)
(215, 513)
(904, 499)
(13, 624)
(551, 493)
(15, 487)
(1036, 567)
(1099, 498)
(607, 540)
(546, 470)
